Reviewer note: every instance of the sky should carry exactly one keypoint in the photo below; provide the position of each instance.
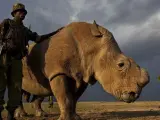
(135, 25)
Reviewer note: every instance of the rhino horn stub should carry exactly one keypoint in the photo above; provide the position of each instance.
(145, 77)
(94, 30)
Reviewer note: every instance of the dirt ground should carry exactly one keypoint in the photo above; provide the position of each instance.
(102, 111)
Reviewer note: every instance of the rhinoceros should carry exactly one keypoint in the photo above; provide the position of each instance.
(80, 54)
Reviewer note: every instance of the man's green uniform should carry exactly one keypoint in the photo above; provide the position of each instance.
(14, 49)
(14, 37)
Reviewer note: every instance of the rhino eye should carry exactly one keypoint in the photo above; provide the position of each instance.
(120, 65)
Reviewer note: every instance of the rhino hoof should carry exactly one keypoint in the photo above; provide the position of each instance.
(74, 117)
(40, 113)
(20, 114)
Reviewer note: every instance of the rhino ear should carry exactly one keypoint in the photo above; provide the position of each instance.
(94, 30)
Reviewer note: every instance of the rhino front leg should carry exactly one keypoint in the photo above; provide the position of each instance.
(80, 90)
(63, 89)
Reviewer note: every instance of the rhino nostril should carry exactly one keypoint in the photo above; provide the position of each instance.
(136, 95)
(129, 96)
(132, 94)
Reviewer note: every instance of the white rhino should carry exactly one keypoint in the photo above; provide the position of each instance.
(81, 54)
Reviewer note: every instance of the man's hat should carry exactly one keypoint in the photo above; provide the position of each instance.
(18, 7)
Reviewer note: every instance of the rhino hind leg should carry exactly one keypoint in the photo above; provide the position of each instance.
(50, 101)
(63, 90)
(20, 112)
(36, 104)
(26, 95)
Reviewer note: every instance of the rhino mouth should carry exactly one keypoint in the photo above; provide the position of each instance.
(129, 97)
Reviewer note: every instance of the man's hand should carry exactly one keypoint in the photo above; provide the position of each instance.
(46, 36)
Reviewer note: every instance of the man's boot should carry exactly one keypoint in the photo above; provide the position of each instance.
(0, 116)
(1, 109)
(10, 113)
(10, 116)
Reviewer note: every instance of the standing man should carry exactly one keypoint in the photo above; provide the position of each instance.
(14, 37)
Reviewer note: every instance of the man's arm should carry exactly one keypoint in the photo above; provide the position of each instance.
(31, 35)
(39, 38)
(4, 26)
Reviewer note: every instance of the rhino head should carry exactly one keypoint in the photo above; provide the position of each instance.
(118, 74)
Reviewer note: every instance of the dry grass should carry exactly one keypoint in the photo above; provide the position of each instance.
(104, 111)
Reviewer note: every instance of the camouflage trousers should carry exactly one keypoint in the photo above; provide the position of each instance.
(11, 78)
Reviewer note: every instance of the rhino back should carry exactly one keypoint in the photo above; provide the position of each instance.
(61, 55)
(34, 80)
(69, 51)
